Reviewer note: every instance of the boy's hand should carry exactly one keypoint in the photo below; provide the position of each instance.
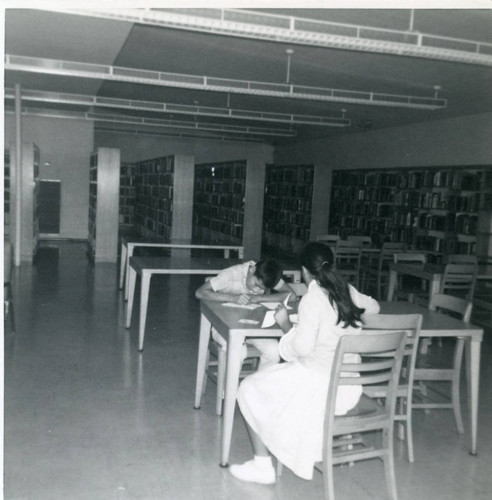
(244, 299)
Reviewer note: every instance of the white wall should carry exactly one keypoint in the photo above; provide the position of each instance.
(66, 145)
(465, 140)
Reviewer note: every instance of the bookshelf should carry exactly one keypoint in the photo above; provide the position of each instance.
(104, 182)
(6, 196)
(29, 213)
(219, 201)
(127, 198)
(288, 206)
(432, 209)
(163, 197)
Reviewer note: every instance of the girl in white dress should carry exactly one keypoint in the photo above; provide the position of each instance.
(284, 405)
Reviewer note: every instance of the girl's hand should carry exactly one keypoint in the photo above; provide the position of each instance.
(282, 318)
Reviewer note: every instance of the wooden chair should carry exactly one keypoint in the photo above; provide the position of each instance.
(411, 324)
(343, 435)
(347, 259)
(459, 280)
(375, 273)
(8, 303)
(328, 239)
(366, 241)
(410, 287)
(460, 259)
(463, 309)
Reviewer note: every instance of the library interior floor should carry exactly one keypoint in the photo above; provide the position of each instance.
(89, 417)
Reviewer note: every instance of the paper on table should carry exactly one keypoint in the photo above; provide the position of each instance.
(273, 305)
(269, 319)
(241, 306)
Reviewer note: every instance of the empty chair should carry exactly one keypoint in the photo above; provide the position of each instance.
(329, 239)
(347, 259)
(375, 273)
(343, 435)
(7, 288)
(460, 259)
(410, 287)
(450, 374)
(459, 280)
(411, 324)
(366, 241)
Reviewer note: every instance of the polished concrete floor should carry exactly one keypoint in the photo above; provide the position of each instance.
(88, 417)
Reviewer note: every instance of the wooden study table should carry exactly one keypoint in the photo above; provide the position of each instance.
(431, 272)
(146, 267)
(226, 321)
(129, 243)
(436, 324)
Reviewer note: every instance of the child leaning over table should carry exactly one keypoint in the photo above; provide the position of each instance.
(249, 283)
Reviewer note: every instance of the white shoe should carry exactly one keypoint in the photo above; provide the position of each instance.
(254, 473)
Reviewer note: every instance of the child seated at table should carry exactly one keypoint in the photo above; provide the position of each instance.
(249, 283)
(284, 405)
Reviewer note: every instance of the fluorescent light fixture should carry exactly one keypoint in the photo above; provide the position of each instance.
(291, 29)
(160, 107)
(208, 83)
(152, 122)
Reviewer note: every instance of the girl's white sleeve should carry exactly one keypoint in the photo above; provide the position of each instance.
(370, 305)
(300, 340)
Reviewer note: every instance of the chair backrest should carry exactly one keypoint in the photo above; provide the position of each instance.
(366, 241)
(448, 303)
(410, 257)
(329, 239)
(460, 259)
(411, 324)
(347, 255)
(387, 252)
(7, 261)
(372, 370)
(459, 279)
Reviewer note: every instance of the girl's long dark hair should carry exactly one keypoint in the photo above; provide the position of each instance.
(318, 259)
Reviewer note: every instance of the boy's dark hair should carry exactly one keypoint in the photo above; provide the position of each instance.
(269, 272)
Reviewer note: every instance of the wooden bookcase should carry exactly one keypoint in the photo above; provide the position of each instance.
(287, 207)
(432, 209)
(219, 201)
(164, 197)
(29, 216)
(104, 183)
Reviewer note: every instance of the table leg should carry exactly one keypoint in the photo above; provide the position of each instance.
(226, 253)
(240, 253)
(132, 278)
(122, 265)
(202, 359)
(144, 300)
(393, 276)
(473, 376)
(129, 253)
(435, 285)
(234, 347)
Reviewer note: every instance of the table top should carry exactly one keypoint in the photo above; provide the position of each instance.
(484, 271)
(434, 324)
(226, 320)
(181, 265)
(179, 243)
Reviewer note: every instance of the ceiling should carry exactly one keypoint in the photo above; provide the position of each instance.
(467, 87)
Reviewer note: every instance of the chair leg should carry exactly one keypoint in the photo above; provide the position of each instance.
(455, 385)
(221, 371)
(409, 434)
(328, 472)
(389, 464)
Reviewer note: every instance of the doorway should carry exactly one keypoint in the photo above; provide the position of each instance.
(49, 202)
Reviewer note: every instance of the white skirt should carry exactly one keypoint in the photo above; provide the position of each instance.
(285, 405)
